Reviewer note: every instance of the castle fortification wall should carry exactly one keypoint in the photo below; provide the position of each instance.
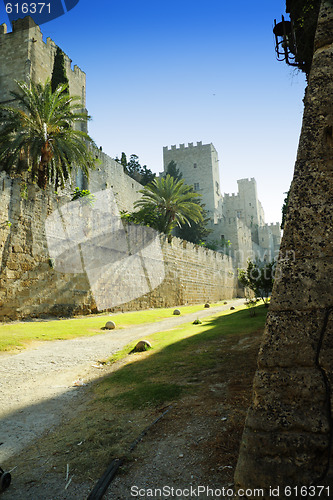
(31, 287)
(25, 56)
(110, 174)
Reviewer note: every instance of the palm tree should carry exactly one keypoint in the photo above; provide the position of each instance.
(171, 201)
(37, 134)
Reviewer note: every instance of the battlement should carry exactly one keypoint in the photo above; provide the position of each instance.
(189, 146)
(19, 25)
(272, 225)
(246, 181)
(35, 36)
(233, 195)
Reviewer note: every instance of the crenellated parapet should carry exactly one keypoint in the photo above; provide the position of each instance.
(190, 145)
(26, 56)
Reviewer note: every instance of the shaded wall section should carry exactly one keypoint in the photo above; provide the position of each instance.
(287, 439)
(31, 287)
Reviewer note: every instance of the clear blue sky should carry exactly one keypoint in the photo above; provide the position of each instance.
(166, 72)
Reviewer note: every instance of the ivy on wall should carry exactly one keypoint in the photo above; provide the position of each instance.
(304, 16)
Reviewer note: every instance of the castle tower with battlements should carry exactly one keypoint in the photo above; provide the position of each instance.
(200, 168)
(25, 56)
(246, 208)
(238, 218)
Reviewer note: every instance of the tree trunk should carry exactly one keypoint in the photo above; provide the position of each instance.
(287, 440)
(46, 157)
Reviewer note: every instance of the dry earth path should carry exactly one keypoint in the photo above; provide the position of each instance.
(37, 385)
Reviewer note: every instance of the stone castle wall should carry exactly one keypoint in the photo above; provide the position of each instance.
(234, 230)
(31, 287)
(110, 174)
(25, 56)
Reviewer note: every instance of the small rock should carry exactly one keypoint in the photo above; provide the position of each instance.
(79, 383)
(232, 308)
(181, 455)
(225, 302)
(141, 346)
(176, 312)
(197, 322)
(207, 305)
(110, 325)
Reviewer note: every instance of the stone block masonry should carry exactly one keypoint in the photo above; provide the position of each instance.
(30, 287)
(288, 435)
(200, 168)
(110, 174)
(25, 56)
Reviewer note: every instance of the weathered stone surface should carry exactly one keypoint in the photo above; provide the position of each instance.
(110, 325)
(142, 345)
(282, 334)
(176, 312)
(191, 274)
(303, 284)
(287, 439)
(294, 457)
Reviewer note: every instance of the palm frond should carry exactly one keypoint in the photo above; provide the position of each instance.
(40, 127)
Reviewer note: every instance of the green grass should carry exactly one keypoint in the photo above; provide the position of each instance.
(19, 334)
(182, 362)
(182, 352)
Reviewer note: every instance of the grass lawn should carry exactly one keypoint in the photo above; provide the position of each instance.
(19, 334)
(182, 363)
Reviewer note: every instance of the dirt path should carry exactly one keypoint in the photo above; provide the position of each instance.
(36, 385)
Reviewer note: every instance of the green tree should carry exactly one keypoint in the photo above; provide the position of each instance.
(38, 134)
(173, 171)
(147, 176)
(194, 231)
(144, 217)
(171, 202)
(137, 172)
(259, 277)
(59, 76)
(122, 161)
(133, 169)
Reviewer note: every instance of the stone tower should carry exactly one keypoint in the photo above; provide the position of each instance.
(200, 168)
(246, 206)
(288, 436)
(25, 56)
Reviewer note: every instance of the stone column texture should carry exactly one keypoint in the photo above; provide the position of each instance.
(287, 439)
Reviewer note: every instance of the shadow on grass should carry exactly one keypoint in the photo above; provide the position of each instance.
(164, 375)
(118, 406)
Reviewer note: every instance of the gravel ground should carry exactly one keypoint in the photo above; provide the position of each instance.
(37, 385)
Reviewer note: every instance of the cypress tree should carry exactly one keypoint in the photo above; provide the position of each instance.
(59, 72)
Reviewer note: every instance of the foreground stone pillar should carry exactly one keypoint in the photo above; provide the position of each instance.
(287, 440)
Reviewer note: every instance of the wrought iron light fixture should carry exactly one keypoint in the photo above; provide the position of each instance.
(285, 43)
